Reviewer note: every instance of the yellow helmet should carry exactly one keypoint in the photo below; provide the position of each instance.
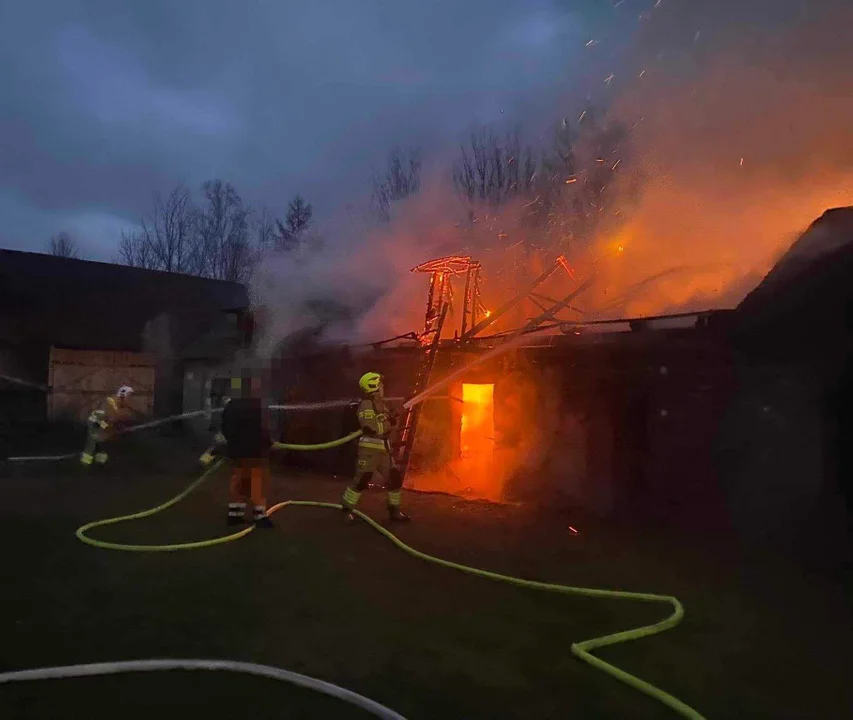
(370, 382)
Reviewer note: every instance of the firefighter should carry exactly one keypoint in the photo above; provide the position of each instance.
(245, 426)
(374, 450)
(219, 443)
(111, 412)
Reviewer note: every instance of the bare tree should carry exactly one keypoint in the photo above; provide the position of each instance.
(493, 170)
(576, 183)
(266, 234)
(222, 226)
(167, 239)
(135, 251)
(400, 179)
(213, 240)
(63, 245)
(296, 223)
(603, 148)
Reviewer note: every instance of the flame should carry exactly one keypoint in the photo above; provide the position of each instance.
(477, 442)
(478, 418)
(473, 472)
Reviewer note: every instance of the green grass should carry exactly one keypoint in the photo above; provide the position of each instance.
(342, 604)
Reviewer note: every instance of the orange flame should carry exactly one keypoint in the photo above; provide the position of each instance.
(477, 443)
(478, 419)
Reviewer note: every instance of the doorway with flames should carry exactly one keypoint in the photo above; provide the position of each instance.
(488, 440)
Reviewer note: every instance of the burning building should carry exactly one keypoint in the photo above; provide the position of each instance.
(716, 419)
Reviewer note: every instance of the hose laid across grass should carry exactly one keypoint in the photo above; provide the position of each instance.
(115, 668)
(581, 650)
(83, 529)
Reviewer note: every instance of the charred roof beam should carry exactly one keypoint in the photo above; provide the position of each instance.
(506, 307)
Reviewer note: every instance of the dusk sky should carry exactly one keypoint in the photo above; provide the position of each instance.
(103, 102)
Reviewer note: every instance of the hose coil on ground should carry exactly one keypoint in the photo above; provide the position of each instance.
(581, 650)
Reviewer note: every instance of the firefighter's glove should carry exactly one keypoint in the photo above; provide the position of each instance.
(219, 439)
(104, 425)
(206, 459)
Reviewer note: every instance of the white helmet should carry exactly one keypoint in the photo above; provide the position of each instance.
(124, 391)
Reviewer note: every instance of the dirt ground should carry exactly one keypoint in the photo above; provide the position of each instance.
(343, 604)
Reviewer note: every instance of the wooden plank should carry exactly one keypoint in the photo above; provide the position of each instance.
(80, 379)
(104, 358)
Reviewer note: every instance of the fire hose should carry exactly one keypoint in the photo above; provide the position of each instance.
(581, 650)
(115, 668)
(326, 405)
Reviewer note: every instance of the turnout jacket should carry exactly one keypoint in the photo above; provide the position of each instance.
(107, 414)
(376, 421)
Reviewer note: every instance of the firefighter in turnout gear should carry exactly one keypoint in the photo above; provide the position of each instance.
(245, 427)
(111, 412)
(374, 450)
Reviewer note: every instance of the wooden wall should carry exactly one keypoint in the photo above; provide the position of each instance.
(80, 379)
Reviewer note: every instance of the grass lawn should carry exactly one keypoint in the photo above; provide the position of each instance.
(342, 604)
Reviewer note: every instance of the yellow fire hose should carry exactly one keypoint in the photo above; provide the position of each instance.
(581, 650)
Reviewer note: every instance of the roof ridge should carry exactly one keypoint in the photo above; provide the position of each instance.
(48, 258)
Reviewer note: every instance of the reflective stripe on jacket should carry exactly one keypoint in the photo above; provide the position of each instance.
(373, 417)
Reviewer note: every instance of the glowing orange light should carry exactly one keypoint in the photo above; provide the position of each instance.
(568, 268)
(488, 313)
(476, 436)
(452, 265)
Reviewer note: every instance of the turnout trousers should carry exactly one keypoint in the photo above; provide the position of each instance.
(250, 478)
(374, 457)
(93, 450)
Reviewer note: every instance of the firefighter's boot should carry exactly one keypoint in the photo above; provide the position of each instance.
(261, 519)
(397, 515)
(236, 513)
(350, 500)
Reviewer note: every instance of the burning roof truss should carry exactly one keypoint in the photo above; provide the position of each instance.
(475, 318)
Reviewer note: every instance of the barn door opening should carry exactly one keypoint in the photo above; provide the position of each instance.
(477, 441)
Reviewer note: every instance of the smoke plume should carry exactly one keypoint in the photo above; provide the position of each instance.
(737, 157)
(740, 117)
